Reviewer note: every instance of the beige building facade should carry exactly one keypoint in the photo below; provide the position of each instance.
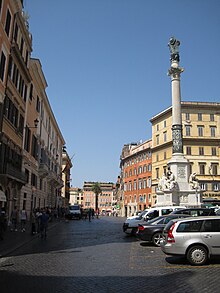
(105, 198)
(31, 143)
(201, 145)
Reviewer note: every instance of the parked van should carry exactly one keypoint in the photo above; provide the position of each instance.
(74, 212)
(130, 226)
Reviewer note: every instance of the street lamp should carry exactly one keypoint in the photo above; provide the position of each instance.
(36, 121)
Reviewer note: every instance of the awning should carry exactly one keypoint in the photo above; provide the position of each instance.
(2, 196)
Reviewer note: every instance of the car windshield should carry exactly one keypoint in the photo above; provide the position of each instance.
(73, 208)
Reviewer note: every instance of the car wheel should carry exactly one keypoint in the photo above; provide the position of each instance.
(197, 255)
(157, 237)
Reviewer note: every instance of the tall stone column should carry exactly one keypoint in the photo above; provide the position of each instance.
(176, 187)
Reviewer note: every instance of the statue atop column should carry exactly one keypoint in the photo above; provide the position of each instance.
(174, 49)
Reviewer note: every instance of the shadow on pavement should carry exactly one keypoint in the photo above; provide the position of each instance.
(175, 282)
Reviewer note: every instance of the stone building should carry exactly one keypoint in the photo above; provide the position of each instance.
(31, 142)
(136, 164)
(201, 141)
(105, 198)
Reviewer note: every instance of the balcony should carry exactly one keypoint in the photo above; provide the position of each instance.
(54, 179)
(13, 173)
(43, 170)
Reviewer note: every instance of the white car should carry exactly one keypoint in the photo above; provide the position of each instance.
(130, 226)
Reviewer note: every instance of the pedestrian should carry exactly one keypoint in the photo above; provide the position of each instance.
(44, 218)
(2, 222)
(23, 217)
(90, 214)
(37, 218)
(33, 223)
(14, 218)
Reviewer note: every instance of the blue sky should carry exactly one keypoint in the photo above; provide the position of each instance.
(106, 63)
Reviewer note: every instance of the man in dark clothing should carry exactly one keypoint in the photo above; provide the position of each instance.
(44, 218)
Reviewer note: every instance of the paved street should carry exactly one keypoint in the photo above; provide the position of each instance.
(83, 256)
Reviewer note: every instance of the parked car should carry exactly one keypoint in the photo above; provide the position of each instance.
(74, 212)
(195, 212)
(195, 238)
(153, 229)
(130, 226)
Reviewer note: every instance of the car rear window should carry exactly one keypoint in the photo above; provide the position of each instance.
(190, 226)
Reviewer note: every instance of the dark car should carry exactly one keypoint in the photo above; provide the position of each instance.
(196, 212)
(152, 230)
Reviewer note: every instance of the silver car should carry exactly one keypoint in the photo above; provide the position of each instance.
(197, 238)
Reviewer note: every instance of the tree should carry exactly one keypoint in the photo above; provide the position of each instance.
(96, 188)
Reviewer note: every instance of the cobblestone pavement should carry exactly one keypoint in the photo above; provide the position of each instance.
(82, 256)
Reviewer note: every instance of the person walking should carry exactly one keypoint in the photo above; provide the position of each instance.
(90, 214)
(33, 223)
(23, 217)
(14, 218)
(44, 218)
(2, 222)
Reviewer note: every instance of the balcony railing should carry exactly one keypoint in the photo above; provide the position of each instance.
(14, 173)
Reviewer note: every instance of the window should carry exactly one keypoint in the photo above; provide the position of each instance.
(130, 172)
(214, 169)
(27, 139)
(215, 186)
(157, 157)
(191, 226)
(34, 149)
(8, 23)
(188, 129)
(199, 116)
(157, 127)
(214, 152)
(188, 151)
(27, 175)
(149, 167)
(38, 105)
(212, 130)
(165, 136)
(212, 117)
(21, 124)
(135, 171)
(145, 168)
(165, 123)
(140, 170)
(164, 155)
(33, 180)
(22, 46)
(157, 173)
(201, 168)
(149, 181)
(200, 131)
(201, 151)
(187, 116)
(139, 183)
(203, 186)
(157, 139)
(2, 66)
(211, 226)
(16, 33)
(144, 183)
(31, 92)
(135, 185)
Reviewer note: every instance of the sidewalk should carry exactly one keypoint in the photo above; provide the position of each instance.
(14, 240)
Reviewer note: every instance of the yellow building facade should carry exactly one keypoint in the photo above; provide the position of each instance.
(201, 145)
